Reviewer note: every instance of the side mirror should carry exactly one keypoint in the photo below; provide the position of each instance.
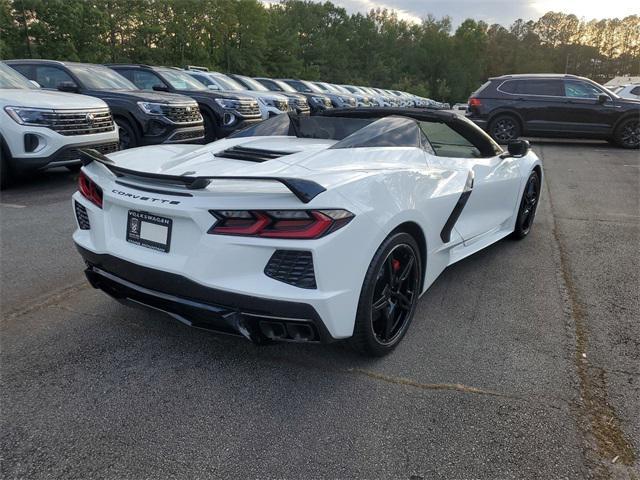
(160, 88)
(35, 84)
(211, 86)
(518, 148)
(602, 98)
(67, 87)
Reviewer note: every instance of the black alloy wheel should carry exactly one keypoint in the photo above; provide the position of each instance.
(628, 134)
(389, 296)
(528, 206)
(394, 294)
(504, 128)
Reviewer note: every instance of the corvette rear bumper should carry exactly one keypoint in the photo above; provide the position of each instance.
(255, 318)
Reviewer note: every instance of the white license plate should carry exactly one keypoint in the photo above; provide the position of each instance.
(148, 230)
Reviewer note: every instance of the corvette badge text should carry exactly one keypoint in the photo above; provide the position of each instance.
(145, 199)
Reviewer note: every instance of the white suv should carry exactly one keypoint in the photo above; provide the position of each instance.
(631, 90)
(43, 129)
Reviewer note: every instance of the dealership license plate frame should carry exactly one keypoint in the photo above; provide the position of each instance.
(136, 234)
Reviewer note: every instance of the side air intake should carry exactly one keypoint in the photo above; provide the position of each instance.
(82, 216)
(294, 267)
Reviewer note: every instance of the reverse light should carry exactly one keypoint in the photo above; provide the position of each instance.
(89, 189)
(292, 224)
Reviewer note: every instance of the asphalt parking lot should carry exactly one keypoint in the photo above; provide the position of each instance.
(523, 360)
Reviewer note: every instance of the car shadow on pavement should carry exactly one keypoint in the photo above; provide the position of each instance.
(37, 182)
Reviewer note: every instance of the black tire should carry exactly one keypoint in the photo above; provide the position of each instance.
(127, 135)
(210, 127)
(5, 168)
(505, 128)
(627, 134)
(528, 207)
(389, 296)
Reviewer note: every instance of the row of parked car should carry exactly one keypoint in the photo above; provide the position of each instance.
(44, 120)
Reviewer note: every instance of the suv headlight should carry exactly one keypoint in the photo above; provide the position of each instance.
(228, 103)
(151, 108)
(318, 99)
(30, 116)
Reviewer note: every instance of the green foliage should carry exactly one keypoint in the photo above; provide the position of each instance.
(313, 40)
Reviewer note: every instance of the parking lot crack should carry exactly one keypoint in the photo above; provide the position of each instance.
(451, 387)
(50, 299)
(456, 387)
(605, 439)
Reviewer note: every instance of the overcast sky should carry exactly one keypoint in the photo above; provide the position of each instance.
(495, 11)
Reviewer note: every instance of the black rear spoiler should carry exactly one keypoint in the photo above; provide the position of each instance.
(305, 190)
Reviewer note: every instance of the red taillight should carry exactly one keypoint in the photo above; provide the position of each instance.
(474, 102)
(89, 189)
(294, 224)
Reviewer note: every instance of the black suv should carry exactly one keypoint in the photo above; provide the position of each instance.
(554, 106)
(143, 118)
(223, 112)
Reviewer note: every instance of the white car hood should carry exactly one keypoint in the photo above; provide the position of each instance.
(47, 99)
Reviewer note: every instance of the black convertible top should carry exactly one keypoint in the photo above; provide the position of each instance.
(469, 130)
(371, 127)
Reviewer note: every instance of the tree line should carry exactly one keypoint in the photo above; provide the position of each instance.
(314, 41)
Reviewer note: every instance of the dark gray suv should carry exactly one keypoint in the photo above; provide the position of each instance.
(554, 106)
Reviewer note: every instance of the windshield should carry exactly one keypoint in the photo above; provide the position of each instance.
(312, 87)
(181, 80)
(96, 77)
(9, 78)
(253, 84)
(284, 86)
(298, 86)
(340, 89)
(323, 87)
(227, 83)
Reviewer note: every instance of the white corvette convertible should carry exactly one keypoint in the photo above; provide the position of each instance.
(302, 228)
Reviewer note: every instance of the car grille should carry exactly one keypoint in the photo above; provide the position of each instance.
(302, 104)
(182, 113)
(282, 105)
(82, 216)
(248, 108)
(293, 267)
(103, 148)
(186, 135)
(80, 122)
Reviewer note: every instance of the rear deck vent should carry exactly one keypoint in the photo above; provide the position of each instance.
(251, 154)
(82, 216)
(293, 267)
